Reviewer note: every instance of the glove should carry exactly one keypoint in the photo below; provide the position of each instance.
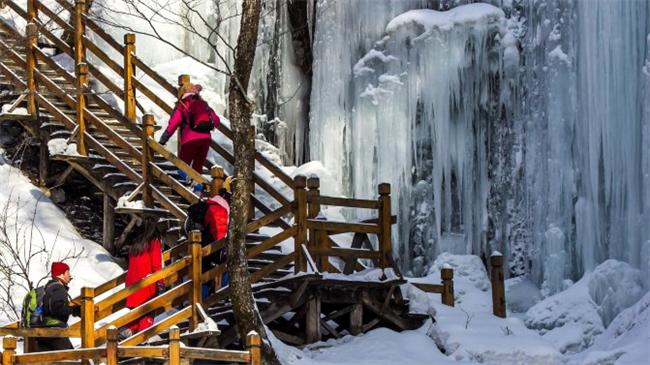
(160, 288)
(164, 138)
(76, 311)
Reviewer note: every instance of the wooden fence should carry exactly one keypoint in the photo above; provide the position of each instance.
(113, 351)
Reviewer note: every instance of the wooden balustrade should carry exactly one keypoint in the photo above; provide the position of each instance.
(195, 298)
(498, 288)
(173, 353)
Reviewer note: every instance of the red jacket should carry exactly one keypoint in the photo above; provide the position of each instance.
(140, 266)
(216, 217)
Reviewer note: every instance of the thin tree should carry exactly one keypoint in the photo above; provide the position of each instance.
(245, 310)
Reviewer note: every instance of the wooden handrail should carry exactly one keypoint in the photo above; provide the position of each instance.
(166, 323)
(346, 202)
(342, 227)
(269, 218)
(149, 280)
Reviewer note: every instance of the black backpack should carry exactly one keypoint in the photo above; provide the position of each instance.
(196, 220)
(198, 115)
(33, 312)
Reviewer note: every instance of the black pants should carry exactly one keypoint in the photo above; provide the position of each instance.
(53, 343)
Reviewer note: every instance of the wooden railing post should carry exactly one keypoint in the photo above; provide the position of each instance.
(32, 10)
(384, 222)
(316, 239)
(30, 67)
(8, 349)
(147, 156)
(196, 253)
(129, 72)
(253, 343)
(82, 81)
(182, 80)
(300, 198)
(447, 275)
(87, 317)
(111, 345)
(79, 31)
(218, 177)
(174, 346)
(498, 289)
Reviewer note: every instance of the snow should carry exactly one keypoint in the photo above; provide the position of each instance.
(92, 267)
(60, 146)
(573, 318)
(16, 111)
(445, 20)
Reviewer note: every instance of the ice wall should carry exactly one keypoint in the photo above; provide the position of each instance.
(413, 111)
(524, 131)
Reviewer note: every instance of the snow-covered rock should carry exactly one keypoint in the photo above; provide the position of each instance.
(625, 342)
(573, 318)
(521, 294)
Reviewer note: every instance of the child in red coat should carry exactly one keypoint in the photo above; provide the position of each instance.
(145, 258)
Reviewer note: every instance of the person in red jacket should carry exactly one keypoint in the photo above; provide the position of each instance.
(216, 221)
(196, 120)
(145, 258)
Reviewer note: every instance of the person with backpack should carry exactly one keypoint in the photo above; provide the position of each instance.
(53, 308)
(211, 217)
(145, 258)
(196, 121)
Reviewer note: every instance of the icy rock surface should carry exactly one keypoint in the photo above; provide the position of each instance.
(573, 318)
(521, 294)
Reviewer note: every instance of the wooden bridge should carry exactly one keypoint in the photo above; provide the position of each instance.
(311, 290)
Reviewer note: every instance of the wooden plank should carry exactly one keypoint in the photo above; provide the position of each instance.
(429, 288)
(270, 242)
(142, 351)
(153, 97)
(342, 227)
(346, 202)
(215, 355)
(269, 218)
(214, 247)
(330, 329)
(40, 332)
(59, 355)
(356, 319)
(288, 338)
(312, 320)
(166, 323)
(268, 269)
(387, 315)
(347, 252)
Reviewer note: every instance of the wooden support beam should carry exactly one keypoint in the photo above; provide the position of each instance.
(111, 346)
(312, 320)
(9, 349)
(447, 275)
(108, 231)
(498, 289)
(87, 318)
(43, 157)
(79, 30)
(82, 81)
(356, 319)
(174, 346)
(30, 66)
(196, 293)
(384, 224)
(300, 198)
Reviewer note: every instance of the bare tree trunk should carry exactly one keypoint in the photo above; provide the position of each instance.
(247, 316)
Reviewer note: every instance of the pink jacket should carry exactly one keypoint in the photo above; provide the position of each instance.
(187, 134)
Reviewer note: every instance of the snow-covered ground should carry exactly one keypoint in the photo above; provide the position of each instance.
(52, 238)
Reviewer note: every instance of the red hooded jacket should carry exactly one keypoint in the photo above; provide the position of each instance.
(140, 266)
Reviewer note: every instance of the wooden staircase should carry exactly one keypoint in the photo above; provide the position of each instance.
(305, 294)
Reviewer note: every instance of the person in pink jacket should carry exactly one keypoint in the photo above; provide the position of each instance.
(196, 120)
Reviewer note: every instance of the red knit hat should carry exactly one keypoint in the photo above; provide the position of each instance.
(59, 268)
